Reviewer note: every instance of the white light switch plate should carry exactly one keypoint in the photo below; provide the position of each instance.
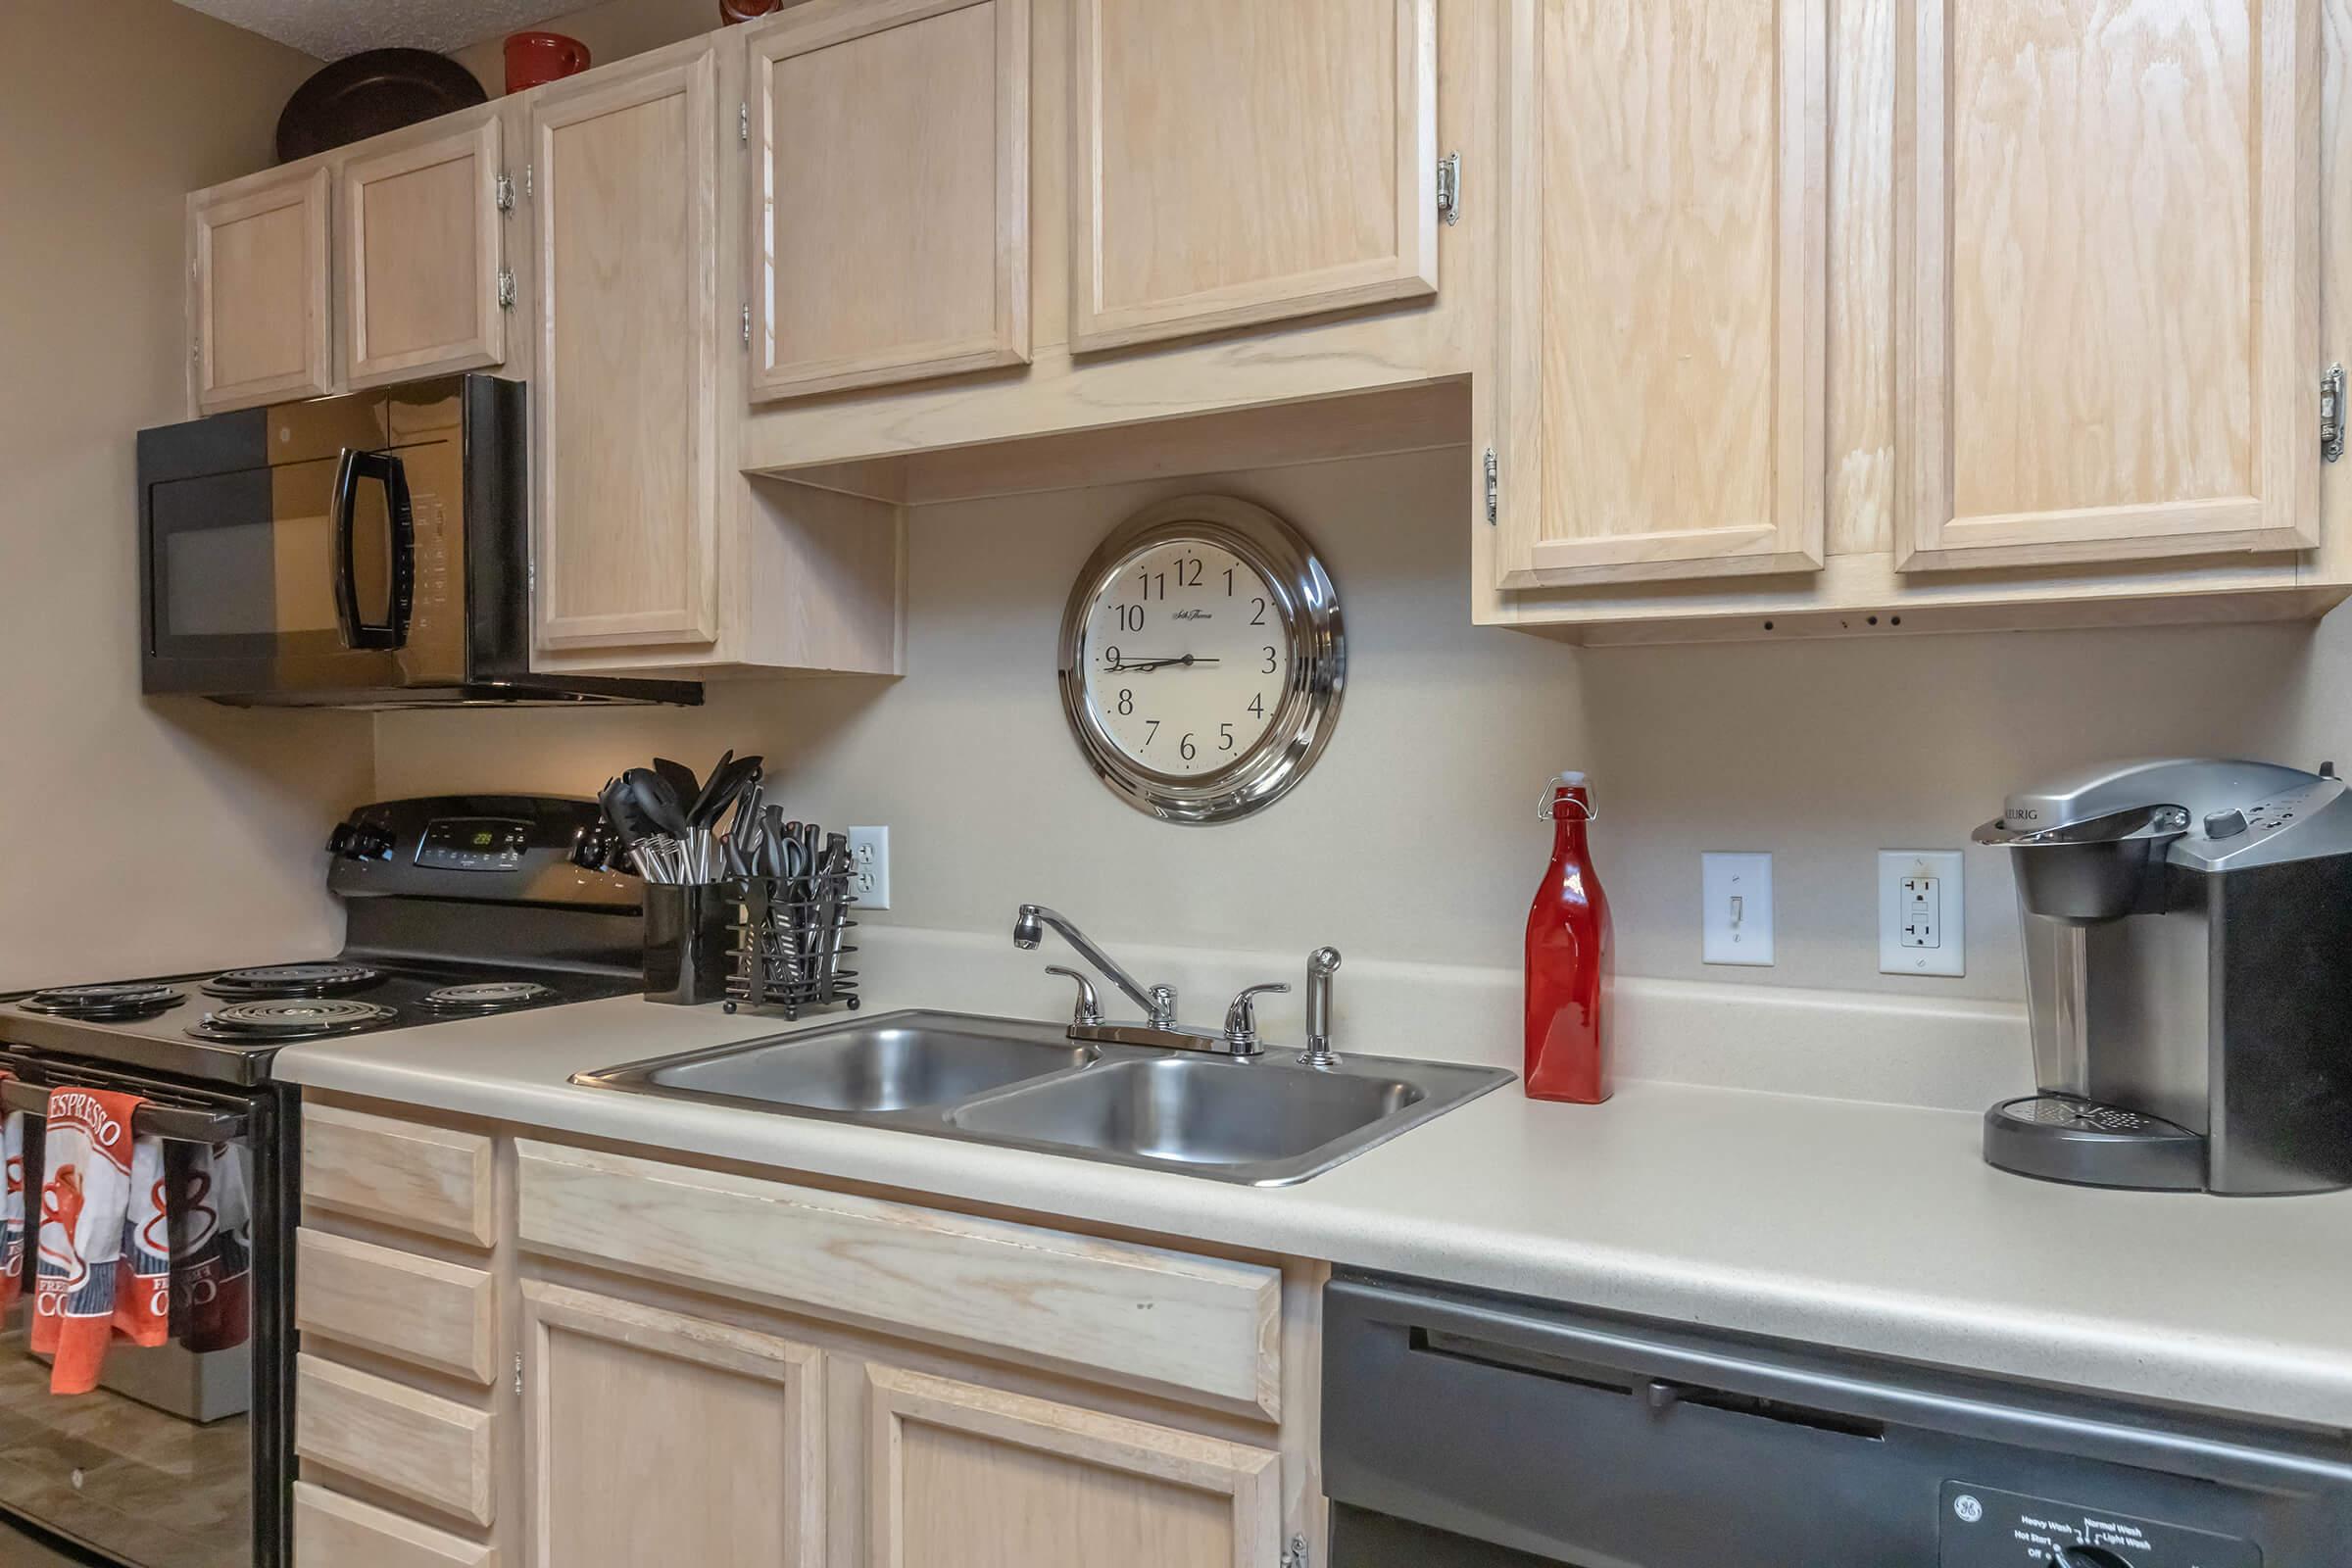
(1923, 924)
(1736, 908)
(869, 866)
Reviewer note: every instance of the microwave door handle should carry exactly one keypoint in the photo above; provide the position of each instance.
(347, 573)
(387, 472)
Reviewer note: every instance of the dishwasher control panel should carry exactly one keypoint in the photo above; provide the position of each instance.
(1984, 1527)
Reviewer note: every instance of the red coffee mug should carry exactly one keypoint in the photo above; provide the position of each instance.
(534, 58)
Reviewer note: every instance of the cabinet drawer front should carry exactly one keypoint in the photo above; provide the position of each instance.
(428, 1179)
(331, 1531)
(1198, 1328)
(436, 1314)
(423, 1447)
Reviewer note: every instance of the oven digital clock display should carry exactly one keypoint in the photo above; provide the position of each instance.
(473, 843)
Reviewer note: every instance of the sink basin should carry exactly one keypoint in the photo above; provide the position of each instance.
(889, 1063)
(1202, 1112)
(1024, 1085)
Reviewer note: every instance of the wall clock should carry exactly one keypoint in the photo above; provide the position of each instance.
(1203, 659)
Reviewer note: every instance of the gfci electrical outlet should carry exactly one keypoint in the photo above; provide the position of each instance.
(1922, 927)
(869, 866)
(1736, 908)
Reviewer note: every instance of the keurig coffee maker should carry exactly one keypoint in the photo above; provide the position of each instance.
(2187, 930)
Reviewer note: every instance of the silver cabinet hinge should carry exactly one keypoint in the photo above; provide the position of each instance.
(196, 351)
(1493, 487)
(506, 289)
(518, 1371)
(2332, 414)
(746, 326)
(527, 182)
(1450, 188)
(502, 190)
(742, 123)
(1295, 1555)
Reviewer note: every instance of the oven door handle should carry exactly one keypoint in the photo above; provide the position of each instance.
(187, 1124)
(399, 518)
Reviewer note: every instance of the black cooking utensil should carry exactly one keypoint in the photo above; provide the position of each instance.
(730, 778)
(680, 778)
(627, 818)
(657, 799)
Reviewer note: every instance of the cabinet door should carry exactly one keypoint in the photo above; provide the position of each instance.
(256, 292)
(2107, 254)
(624, 214)
(962, 1476)
(650, 1437)
(1663, 398)
(889, 192)
(1235, 162)
(421, 259)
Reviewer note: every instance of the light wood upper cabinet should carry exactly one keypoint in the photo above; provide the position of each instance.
(1662, 398)
(961, 1476)
(1235, 162)
(420, 256)
(889, 192)
(257, 291)
(650, 1437)
(625, 229)
(2107, 264)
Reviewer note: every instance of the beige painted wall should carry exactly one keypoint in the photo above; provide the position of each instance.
(1413, 837)
(138, 836)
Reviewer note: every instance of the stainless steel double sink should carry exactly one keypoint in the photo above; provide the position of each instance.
(1265, 1120)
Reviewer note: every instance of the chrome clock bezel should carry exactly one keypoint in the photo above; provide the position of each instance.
(1309, 610)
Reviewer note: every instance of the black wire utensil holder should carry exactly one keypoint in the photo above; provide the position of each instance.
(789, 941)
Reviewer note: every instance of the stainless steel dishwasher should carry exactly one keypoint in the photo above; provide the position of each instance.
(1464, 1430)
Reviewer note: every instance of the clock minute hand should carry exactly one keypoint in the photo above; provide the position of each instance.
(1125, 664)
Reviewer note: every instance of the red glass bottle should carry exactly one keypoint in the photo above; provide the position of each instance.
(1568, 961)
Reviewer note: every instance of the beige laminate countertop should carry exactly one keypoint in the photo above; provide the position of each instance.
(1867, 1226)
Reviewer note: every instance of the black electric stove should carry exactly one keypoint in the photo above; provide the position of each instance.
(457, 908)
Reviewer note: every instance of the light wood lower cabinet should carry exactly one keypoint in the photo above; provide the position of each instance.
(714, 1367)
(964, 1476)
(655, 1437)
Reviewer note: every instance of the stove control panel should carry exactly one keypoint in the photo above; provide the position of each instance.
(478, 849)
(473, 843)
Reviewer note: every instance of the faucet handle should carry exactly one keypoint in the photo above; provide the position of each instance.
(1241, 1018)
(1090, 1006)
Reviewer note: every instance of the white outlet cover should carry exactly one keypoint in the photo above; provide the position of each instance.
(1906, 877)
(869, 867)
(1736, 908)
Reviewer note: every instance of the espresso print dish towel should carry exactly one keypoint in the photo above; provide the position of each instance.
(85, 1198)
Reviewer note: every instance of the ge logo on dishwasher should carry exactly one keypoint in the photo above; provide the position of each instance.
(1968, 1509)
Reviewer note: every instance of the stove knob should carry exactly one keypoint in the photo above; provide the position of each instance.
(2087, 1557)
(2225, 824)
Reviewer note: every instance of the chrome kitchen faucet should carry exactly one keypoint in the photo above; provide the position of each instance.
(1238, 1039)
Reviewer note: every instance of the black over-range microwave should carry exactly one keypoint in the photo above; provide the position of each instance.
(367, 551)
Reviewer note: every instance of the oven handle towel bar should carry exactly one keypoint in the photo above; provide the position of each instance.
(187, 1124)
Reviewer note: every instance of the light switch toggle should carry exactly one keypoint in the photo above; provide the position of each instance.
(1736, 908)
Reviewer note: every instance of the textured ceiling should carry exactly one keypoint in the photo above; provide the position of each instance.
(333, 29)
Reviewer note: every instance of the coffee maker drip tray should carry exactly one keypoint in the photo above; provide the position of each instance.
(2063, 1138)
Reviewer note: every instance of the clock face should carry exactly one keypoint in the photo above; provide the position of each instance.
(1202, 660)
(1188, 654)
